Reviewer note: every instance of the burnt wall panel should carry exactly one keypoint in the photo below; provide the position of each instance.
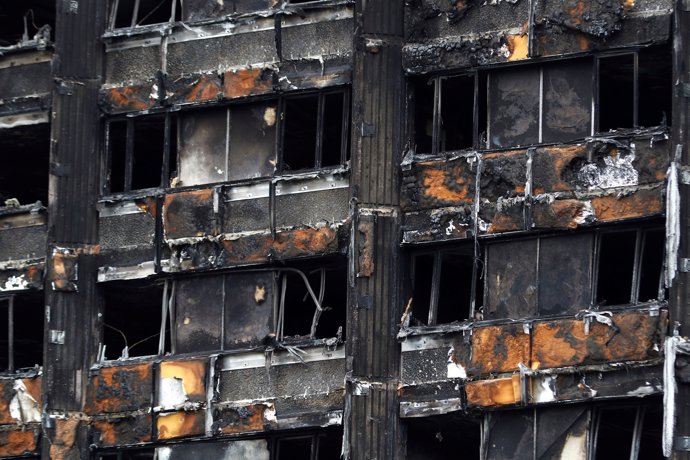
(312, 378)
(246, 215)
(421, 366)
(132, 64)
(23, 242)
(320, 38)
(189, 214)
(461, 18)
(25, 80)
(126, 230)
(120, 388)
(205, 55)
(310, 208)
(126, 430)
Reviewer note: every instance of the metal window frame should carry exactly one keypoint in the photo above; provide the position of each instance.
(168, 119)
(9, 299)
(115, 6)
(640, 241)
(320, 117)
(596, 128)
(436, 278)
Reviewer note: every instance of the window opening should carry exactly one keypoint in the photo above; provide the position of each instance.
(617, 92)
(627, 432)
(655, 75)
(651, 264)
(457, 113)
(136, 320)
(141, 152)
(24, 175)
(314, 131)
(445, 286)
(303, 293)
(21, 331)
(134, 13)
(23, 21)
(438, 437)
(616, 264)
(447, 113)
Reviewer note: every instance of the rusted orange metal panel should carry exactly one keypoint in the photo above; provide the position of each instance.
(191, 374)
(247, 82)
(292, 243)
(254, 417)
(498, 349)
(194, 89)
(65, 438)
(18, 442)
(642, 203)
(129, 98)
(560, 214)
(518, 46)
(550, 166)
(6, 395)
(435, 184)
(123, 430)
(496, 392)
(634, 337)
(189, 214)
(180, 424)
(120, 389)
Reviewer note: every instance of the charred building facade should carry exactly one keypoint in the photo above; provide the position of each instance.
(419, 229)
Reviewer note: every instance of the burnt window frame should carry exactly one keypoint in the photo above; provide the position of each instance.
(639, 425)
(597, 235)
(172, 140)
(165, 173)
(483, 90)
(315, 435)
(480, 251)
(166, 336)
(167, 327)
(114, 6)
(640, 240)
(480, 83)
(7, 301)
(475, 252)
(318, 154)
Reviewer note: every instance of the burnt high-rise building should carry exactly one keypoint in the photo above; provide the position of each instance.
(288, 230)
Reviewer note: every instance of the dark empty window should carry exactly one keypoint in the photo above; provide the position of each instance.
(446, 113)
(141, 153)
(439, 437)
(132, 319)
(134, 13)
(21, 331)
(542, 103)
(627, 432)
(629, 266)
(21, 21)
(634, 89)
(616, 92)
(314, 131)
(445, 286)
(300, 290)
(24, 174)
